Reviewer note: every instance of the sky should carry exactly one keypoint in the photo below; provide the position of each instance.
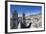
(28, 10)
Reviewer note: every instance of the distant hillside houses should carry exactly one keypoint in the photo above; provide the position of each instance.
(36, 20)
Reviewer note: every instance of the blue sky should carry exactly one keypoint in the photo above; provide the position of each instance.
(28, 10)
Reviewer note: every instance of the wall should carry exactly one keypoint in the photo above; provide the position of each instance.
(2, 17)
